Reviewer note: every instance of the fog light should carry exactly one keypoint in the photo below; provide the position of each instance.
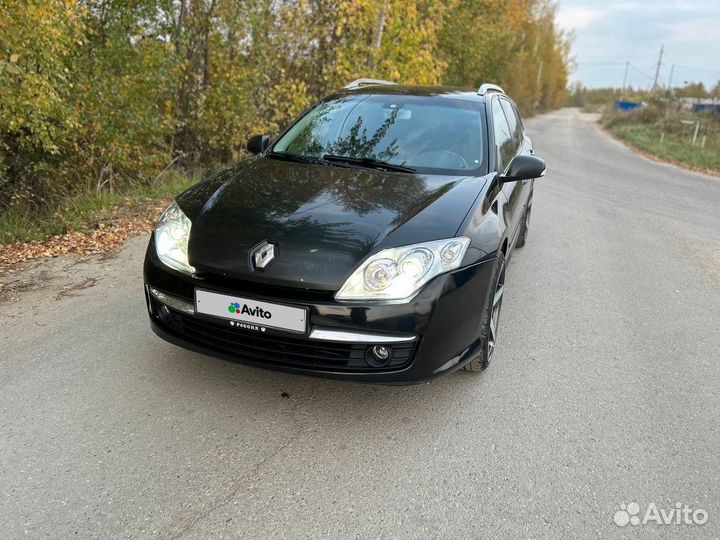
(164, 314)
(378, 355)
(381, 352)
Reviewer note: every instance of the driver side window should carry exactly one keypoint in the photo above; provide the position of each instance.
(503, 137)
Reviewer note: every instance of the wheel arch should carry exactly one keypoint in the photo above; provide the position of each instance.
(485, 224)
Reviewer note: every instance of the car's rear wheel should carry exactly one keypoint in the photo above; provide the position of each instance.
(491, 318)
(524, 226)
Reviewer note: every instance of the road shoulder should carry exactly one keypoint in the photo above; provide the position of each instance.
(50, 279)
(654, 158)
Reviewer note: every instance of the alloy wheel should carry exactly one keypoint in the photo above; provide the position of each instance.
(495, 312)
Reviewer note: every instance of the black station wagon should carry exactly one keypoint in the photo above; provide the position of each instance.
(367, 242)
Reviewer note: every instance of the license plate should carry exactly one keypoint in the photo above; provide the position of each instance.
(247, 310)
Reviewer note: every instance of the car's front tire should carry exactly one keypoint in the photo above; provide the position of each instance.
(491, 317)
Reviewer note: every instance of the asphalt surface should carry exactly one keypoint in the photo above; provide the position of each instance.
(604, 390)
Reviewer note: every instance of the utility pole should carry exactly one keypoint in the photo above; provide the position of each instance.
(657, 69)
(627, 66)
(672, 70)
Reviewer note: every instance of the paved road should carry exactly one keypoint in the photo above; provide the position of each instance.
(605, 390)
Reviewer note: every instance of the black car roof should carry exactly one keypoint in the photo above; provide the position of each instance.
(409, 90)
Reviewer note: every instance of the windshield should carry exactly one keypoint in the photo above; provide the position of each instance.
(428, 134)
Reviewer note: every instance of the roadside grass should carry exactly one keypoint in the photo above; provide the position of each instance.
(592, 108)
(676, 144)
(90, 210)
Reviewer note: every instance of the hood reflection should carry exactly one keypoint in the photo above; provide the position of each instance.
(323, 219)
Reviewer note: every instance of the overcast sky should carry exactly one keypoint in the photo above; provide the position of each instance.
(608, 33)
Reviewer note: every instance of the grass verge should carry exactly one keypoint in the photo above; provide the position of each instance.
(88, 211)
(675, 147)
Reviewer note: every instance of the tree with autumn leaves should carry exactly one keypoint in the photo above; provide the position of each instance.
(99, 94)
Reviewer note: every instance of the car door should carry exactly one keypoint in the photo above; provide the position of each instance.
(506, 146)
(524, 146)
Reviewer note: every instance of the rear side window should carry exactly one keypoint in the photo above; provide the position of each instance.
(504, 140)
(514, 122)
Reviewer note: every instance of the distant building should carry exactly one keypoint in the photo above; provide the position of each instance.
(706, 108)
(627, 106)
(700, 105)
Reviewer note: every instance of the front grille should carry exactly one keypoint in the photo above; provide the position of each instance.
(285, 350)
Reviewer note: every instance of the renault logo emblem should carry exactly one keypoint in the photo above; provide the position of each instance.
(263, 254)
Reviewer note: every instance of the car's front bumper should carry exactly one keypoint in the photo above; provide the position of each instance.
(433, 334)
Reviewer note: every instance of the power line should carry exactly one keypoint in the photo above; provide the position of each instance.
(633, 67)
(642, 73)
(601, 63)
(716, 71)
(651, 66)
(638, 71)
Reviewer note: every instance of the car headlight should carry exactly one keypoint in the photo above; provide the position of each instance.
(171, 239)
(399, 273)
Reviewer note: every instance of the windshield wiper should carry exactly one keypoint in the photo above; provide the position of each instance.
(368, 162)
(295, 157)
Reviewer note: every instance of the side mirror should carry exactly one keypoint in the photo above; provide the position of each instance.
(524, 167)
(258, 144)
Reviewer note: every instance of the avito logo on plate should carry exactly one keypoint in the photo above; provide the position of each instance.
(240, 309)
(234, 308)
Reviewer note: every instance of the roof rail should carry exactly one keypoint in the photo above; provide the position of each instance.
(358, 83)
(485, 88)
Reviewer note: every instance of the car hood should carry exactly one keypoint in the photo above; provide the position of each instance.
(323, 220)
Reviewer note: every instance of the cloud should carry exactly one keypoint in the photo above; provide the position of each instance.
(629, 6)
(698, 32)
(578, 17)
(610, 32)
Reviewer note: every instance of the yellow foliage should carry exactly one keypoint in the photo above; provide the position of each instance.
(97, 93)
